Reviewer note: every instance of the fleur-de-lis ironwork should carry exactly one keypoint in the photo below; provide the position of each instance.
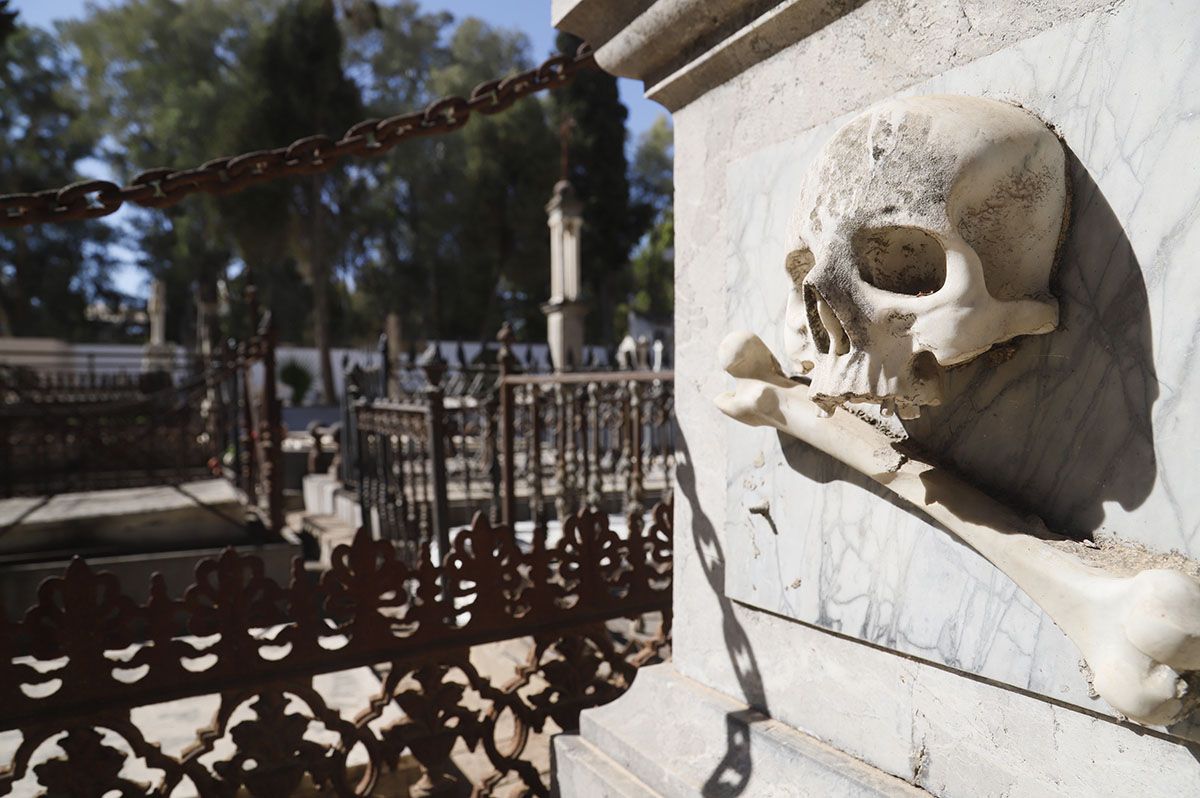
(257, 644)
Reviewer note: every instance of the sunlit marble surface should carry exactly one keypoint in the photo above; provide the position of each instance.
(1089, 427)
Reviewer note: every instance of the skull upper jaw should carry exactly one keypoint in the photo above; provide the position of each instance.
(877, 362)
(897, 359)
(899, 388)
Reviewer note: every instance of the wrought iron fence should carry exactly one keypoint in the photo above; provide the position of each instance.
(74, 671)
(401, 474)
(603, 440)
(582, 438)
(585, 440)
(56, 447)
(91, 655)
(71, 431)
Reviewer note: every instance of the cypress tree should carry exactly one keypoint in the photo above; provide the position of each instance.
(599, 171)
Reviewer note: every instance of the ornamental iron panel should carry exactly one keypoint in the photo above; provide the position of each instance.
(89, 653)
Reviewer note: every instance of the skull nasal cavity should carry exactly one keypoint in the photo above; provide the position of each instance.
(903, 260)
(827, 331)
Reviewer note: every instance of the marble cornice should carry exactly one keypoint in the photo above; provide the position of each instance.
(682, 48)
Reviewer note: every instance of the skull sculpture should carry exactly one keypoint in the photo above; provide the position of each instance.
(927, 235)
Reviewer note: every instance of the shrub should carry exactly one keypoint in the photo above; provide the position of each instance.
(296, 376)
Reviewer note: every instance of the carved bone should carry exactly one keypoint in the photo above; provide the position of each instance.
(925, 234)
(1139, 634)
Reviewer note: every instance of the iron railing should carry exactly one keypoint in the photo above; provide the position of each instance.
(582, 438)
(75, 431)
(401, 473)
(76, 671)
(603, 440)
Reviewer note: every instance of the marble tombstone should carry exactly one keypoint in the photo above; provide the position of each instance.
(926, 233)
(838, 629)
(1060, 425)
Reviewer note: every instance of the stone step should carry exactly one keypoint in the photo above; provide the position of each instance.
(326, 532)
(203, 513)
(714, 745)
(19, 583)
(581, 769)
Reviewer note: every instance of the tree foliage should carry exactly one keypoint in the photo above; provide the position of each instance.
(447, 233)
(160, 78)
(599, 172)
(48, 274)
(454, 237)
(8, 21)
(502, 172)
(294, 85)
(652, 293)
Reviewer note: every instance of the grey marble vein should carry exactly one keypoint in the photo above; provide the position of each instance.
(1090, 427)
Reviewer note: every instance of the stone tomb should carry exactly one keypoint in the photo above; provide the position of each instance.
(830, 638)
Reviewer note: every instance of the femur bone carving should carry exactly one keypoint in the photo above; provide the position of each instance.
(1139, 634)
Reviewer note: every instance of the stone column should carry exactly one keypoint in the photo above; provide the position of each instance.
(828, 638)
(157, 355)
(564, 312)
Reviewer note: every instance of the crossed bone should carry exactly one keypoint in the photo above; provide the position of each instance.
(1139, 634)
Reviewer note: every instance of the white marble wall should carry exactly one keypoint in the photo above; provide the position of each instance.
(895, 644)
(1088, 426)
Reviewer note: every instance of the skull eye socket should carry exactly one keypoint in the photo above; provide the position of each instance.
(902, 260)
(798, 264)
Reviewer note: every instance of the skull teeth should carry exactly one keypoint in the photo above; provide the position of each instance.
(889, 406)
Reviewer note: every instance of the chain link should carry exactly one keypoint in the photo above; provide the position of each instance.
(159, 188)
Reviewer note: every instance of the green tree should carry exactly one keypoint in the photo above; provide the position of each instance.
(8, 21)
(653, 176)
(503, 171)
(160, 77)
(653, 267)
(48, 273)
(294, 85)
(457, 240)
(599, 172)
(402, 218)
(653, 270)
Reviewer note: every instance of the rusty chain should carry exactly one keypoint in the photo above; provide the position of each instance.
(159, 188)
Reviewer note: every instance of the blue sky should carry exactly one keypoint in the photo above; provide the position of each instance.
(532, 17)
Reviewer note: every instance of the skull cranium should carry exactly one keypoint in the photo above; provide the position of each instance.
(927, 235)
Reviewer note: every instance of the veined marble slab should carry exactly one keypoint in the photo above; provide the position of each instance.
(1087, 427)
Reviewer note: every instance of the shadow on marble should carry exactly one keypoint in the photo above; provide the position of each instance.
(1056, 425)
(732, 775)
(1060, 424)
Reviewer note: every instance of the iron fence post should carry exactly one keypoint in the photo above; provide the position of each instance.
(346, 445)
(352, 462)
(6, 475)
(435, 411)
(491, 411)
(562, 431)
(534, 468)
(359, 449)
(272, 431)
(636, 491)
(246, 431)
(508, 507)
(385, 367)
